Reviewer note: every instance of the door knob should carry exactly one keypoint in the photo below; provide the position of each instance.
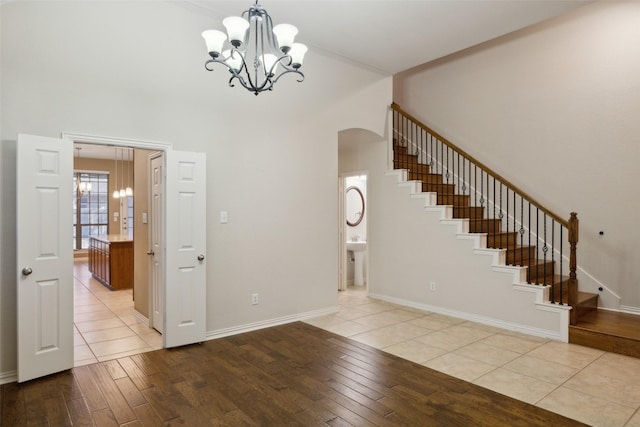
(27, 271)
(200, 257)
(151, 253)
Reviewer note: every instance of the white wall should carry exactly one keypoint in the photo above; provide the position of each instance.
(136, 70)
(554, 109)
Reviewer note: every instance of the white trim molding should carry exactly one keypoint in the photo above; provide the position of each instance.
(8, 377)
(544, 333)
(234, 330)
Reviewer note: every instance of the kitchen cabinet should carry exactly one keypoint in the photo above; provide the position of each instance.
(111, 260)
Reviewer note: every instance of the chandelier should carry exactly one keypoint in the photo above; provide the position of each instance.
(123, 192)
(81, 186)
(254, 58)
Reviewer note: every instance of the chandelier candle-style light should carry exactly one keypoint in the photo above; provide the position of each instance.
(254, 58)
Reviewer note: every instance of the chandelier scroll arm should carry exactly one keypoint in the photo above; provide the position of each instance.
(299, 80)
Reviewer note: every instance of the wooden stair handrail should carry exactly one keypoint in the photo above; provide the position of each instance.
(487, 169)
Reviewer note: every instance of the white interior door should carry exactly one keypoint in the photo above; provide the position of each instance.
(156, 240)
(45, 257)
(185, 284)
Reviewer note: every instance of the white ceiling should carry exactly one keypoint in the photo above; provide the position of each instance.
(394, 35)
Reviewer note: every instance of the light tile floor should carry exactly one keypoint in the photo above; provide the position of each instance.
(104, 323)
(592, 386)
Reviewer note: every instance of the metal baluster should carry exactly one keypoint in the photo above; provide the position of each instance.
(553, 257)
(421, 155)
(475, 186)
(431, 162)
(447, 163)
(464, 176)
(514, 224)
(482, 191)
(529, 215)
(521, 229)
(561, 253)
(537, 241)
(545, 248)
(500, 215)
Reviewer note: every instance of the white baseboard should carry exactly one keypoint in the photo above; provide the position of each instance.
(141, 318)
(544, 333)
(234, 330)
(8, 377)
(623, 309)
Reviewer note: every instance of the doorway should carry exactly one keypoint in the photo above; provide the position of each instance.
(44, 285)
(106, 322)
(353, 231)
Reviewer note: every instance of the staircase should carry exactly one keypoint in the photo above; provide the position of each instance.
(539, 271)
(514, 222)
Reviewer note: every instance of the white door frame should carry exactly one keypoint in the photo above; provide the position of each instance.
(145, 145)
(153, 220)
(342, 239)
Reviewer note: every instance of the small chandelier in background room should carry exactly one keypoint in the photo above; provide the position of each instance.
(82, 187)
(128, 191)
(116, 192)
(254, 58)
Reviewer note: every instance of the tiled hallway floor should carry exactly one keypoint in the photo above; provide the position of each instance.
(592, 386)
(104, 323)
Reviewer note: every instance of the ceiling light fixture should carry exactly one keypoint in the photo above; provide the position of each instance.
(116, 192)
(82, 186)
(253, 36)
(123, 192)
(129, 189)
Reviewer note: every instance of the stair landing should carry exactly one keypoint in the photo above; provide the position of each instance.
(608, 331)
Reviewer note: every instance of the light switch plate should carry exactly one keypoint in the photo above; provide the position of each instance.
(223, 217)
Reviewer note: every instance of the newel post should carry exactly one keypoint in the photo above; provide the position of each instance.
(573, 265)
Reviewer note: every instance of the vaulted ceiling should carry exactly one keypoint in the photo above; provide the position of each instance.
(388, 36)
(394, 35)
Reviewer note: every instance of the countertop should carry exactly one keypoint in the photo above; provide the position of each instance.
(112, 238)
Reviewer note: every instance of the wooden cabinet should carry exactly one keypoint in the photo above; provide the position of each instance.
(111, 260)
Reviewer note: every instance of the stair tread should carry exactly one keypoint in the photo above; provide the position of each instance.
(612, 323)
(585, 296)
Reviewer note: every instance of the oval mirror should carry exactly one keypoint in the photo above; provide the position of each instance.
(355, 206)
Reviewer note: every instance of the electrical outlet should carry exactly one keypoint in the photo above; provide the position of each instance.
(432, 286)
(254, 299)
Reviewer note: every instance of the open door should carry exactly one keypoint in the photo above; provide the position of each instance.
(156, 239)
(185, 284)
(45, 257)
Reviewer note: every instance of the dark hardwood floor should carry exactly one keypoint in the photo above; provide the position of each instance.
(290, 375)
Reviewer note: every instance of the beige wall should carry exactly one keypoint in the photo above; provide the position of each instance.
(554, 109)
(141, 233)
